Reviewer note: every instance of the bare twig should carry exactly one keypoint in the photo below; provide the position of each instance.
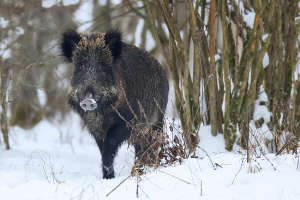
(177, 178)
(241, 167)
(118, 185)
(261, 150)
(293, 139)
(208, 157)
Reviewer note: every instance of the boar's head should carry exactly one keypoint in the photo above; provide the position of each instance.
(93, 86)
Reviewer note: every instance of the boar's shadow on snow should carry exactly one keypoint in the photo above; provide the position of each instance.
(114, 84)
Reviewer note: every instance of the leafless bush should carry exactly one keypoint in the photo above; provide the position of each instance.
(157, 147)
(44, 161)
(289, 143)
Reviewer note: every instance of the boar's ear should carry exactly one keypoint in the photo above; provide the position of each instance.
(113, 39)
(70, 38)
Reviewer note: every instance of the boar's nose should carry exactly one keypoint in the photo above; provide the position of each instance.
(88, 103)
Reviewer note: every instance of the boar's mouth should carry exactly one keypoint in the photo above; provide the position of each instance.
(88, 103)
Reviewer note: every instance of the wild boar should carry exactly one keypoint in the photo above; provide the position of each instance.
(113, 84)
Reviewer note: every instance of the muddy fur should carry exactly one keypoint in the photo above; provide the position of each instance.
(128, 85)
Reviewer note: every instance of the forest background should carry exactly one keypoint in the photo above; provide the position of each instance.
(227, 60)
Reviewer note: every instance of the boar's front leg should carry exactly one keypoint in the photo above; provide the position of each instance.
(109, 147)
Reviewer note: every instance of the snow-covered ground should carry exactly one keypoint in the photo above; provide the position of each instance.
(61, 161)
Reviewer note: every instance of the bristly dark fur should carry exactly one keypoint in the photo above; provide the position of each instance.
(127, 84)
(70, 38)
(113, 39)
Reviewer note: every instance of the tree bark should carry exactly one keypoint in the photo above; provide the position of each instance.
(213, 75)
(3, 102)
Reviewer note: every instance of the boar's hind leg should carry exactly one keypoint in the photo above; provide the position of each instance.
(109, 147)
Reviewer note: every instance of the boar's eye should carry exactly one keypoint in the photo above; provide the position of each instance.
(105, 68)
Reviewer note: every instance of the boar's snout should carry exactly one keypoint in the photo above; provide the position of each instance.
(88, 103)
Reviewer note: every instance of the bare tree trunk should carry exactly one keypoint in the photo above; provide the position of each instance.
(213, 90)
(225, 66)
(291, 61)
(3, 102)
(196, 37)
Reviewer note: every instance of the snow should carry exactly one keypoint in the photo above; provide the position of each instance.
(150, 43)
(249, 19)
(217, 57)
(297, 68)
(4, 52)
(248, 16)
(42, 97)
(62, 161)
(48, 3)
(264, 37)
(261, 111)
(116, 2)
(3, 22)
(266, 60)
(138, 32)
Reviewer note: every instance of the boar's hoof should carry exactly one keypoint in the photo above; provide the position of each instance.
(88, 104)
(108, 172)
